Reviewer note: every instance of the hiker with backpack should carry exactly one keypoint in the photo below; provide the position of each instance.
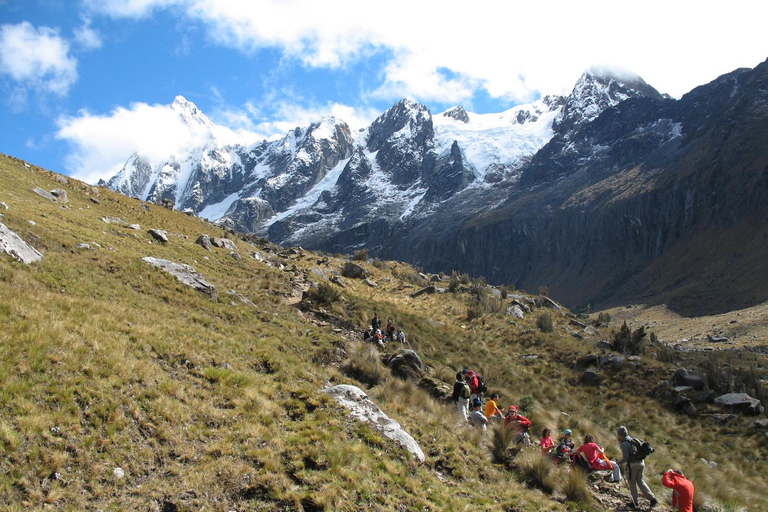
(682, 490)
(476, 384)
(477, 418)
(633, 453)
(461, 395)
(596, 459)
(564, 448)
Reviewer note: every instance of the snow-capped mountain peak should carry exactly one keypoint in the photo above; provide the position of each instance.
(190, 114)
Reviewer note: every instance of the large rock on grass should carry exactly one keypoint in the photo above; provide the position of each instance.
(354, 271)
(364, 409)
(405, 364)
(685, 378)
(12, 244)
(186, 274)
(740, 402)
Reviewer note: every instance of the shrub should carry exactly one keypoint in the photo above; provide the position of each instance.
(602, 318)
(544, 291)
(537, 470)
(628, 342)
(527, 404)
(501, 439)
(504, 291)
(575, 488)
(464, 279)
(378, 263)
(365, 365)
(454, 283)
(324, 293)
(544, 322)
(361, 255)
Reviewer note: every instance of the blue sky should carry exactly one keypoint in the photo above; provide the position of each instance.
(85, 83)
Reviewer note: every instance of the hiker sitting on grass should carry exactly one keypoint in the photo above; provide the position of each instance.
(400, 336)
(492, 411)
(682, 490)
(597, 459)
(564, 448)
(517, 421)
(477, 418)
(376, 338)
(546, 441)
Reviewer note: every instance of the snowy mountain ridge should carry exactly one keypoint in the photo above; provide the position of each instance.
(320, 180)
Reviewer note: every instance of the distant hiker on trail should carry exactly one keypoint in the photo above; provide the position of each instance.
(492, 411)
(546, 441)
(400, 336)
(596, 458)
(477, 418)
(375, 322)
(682, 490)
(635, 468)
(461, 395)
(390, 330)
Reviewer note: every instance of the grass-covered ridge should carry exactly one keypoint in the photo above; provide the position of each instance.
(107, 362)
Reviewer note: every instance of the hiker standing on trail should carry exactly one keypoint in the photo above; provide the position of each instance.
(635, 468)
(390, 330)
(682, 490)
(375, 322)
(474, 384)
(461, 395)
(492, 411)
(477, 418)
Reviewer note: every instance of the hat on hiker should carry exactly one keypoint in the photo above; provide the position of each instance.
(477, 403)
(512, 408)
(568, 432)
(464, 371)
(622, 431)
(471, 373)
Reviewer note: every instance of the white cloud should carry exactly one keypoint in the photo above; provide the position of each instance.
(100, 144)
(37, 58)
(511, 49)
(86, 37)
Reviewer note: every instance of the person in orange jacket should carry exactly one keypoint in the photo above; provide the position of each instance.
(682, 490)
(492, 410)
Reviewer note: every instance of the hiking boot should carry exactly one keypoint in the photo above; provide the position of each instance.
(653, 502)
(631, 506)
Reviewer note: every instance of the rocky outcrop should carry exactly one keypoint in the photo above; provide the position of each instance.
(740, 402)
(186, 275)
(14, 246)
(405, 364)
(363, 409)
(353, 271)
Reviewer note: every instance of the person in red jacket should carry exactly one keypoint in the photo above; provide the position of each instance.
(682, 490)
(519, 422)
(596, 458)
(474, 384)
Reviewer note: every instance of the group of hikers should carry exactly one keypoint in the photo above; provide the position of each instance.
(390, 334)
(467, 394)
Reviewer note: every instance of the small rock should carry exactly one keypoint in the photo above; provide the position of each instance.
(591, 378)
(135, 227)
(354, 271)
(371, 283)
(428, 289)
(94, 200)
(224, 243)
(84, 246)
(236, 256)
(118, 473)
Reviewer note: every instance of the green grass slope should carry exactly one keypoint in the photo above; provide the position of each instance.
(107, 362)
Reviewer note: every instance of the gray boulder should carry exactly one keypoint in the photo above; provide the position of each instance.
(740, 402)
(13, 245)
(591, 378)
(159, 235)
(684, 405)
(362, 408)
(405, 364)
(204, 241)
(685, 378)
(61, 195)
(428, 289)
(354, 271)
(436, 389)
(318, 273)
(515, 311)
(224, 243)
(186, 274)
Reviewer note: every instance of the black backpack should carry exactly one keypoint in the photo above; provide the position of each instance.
(481, 387)
(639, 449)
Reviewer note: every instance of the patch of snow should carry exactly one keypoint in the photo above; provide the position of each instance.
(216, 211)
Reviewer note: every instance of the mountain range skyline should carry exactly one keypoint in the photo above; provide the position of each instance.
(86, 83)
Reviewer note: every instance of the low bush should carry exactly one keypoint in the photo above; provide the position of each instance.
(629, 342)
(324, 293)
(575, 488)
(537, 470)
(365, 365)
(544, 323)
(361, 255)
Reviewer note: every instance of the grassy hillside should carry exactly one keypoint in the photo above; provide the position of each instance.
(107, 362)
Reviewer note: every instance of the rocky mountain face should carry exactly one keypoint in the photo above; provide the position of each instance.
(613, 193)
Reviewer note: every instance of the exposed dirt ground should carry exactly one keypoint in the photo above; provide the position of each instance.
(742, 328)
